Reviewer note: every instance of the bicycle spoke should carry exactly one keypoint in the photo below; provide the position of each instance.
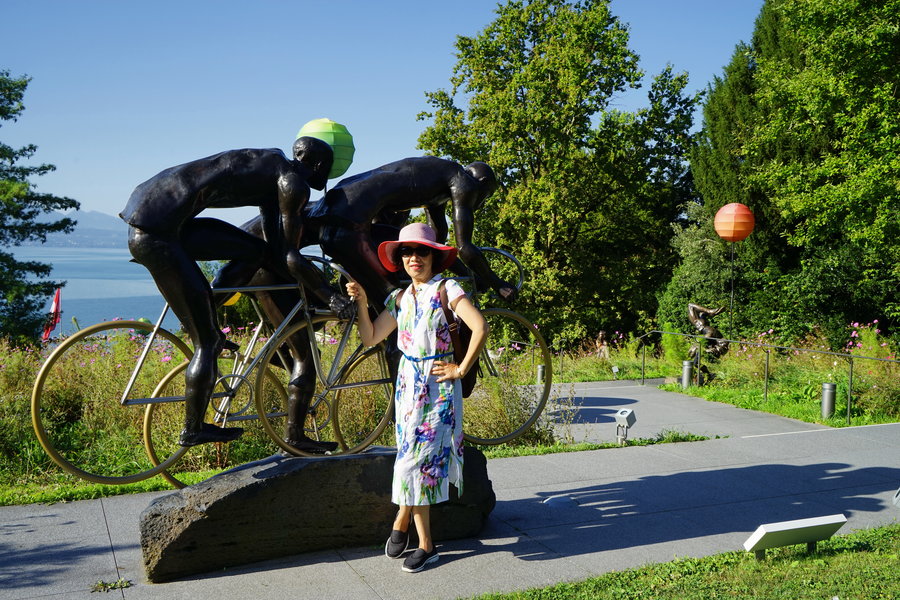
(363, 403)
(76, 408)
(514, 380)
(231, 406)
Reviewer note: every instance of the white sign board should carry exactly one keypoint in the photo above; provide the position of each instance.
(788, 533)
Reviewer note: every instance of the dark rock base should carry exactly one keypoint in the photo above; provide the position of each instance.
(282, 506)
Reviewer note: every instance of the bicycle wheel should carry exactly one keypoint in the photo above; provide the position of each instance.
(76, 403)
(364, 403)
(514, 378)
(231, 405)
(269, 404)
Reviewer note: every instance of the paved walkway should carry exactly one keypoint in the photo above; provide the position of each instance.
(560, 517)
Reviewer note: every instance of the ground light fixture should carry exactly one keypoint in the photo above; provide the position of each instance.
(788, 533)
(624, 419)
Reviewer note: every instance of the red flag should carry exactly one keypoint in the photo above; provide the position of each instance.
(53, 318)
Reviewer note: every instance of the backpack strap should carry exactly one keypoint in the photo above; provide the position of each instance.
(452, 323)
(399, 298)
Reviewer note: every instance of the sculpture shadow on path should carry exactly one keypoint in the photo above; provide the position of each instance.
(683, 506)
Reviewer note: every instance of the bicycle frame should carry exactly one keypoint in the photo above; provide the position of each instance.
(244, 367)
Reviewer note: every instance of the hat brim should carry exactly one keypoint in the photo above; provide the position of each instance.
(387, 250)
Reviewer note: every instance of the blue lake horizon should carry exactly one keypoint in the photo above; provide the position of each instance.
(102, 284)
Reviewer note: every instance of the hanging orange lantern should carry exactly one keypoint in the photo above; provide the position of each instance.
(734, 222)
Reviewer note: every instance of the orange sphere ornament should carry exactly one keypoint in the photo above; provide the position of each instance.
(734, 222)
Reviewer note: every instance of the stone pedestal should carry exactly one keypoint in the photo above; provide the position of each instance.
(286, 505)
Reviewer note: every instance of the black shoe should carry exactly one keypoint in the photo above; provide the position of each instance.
(209, 433)
(416, 561)
(397, 544)
(312, 446)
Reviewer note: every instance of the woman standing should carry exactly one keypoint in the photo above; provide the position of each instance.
(428, 396)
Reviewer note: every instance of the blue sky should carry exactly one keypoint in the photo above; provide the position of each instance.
(121, 90)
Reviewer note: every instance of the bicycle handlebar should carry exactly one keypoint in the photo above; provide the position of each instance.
(519, 268)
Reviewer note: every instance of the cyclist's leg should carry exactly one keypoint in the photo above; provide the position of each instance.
(355, 249)
(302, 383)
(363, 405)
(184, 287)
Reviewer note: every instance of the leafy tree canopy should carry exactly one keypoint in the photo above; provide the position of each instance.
(588, 192)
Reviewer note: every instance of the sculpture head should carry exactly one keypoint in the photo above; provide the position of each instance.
(487, 181)
(317, 156)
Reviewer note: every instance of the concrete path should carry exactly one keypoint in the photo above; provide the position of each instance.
(560, 517)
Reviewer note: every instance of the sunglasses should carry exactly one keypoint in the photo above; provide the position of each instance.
(420, 251)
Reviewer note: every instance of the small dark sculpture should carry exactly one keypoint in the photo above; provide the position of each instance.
(367, 209)
(167, 237)
(601, 345)
(699, 316)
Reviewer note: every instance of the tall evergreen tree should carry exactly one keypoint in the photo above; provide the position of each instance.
(23, 289)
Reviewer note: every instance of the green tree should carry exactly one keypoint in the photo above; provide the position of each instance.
(837, 113)
(588, 193)
(803, 129)
(23, 292)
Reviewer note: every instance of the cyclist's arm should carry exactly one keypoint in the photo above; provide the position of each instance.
(469, 253)
(437, 219)
(293, 194)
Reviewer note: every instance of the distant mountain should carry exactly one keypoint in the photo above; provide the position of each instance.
(94, 229)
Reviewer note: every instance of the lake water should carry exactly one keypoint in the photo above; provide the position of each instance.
(101, 284)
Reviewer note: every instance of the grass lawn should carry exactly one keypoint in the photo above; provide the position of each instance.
(861, 565)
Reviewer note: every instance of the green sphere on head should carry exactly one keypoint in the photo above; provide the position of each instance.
(335, 135)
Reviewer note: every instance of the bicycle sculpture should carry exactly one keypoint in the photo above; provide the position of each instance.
(126, 378)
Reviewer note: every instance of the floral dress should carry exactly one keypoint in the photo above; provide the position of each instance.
(428, 414)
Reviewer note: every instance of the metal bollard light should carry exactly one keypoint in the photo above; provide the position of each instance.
(540, 373)
(687, 368)
(827, 400)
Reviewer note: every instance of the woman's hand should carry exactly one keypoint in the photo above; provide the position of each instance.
(446, 371)
(356, 291)
(369, 333)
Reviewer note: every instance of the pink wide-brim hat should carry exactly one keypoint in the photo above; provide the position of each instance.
(416, 233)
